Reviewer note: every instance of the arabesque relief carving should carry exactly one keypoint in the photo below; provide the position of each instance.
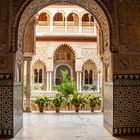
(93, 7)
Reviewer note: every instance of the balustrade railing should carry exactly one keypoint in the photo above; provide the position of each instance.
(46, 30)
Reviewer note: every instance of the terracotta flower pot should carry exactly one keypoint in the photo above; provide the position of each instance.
(92, 108)
(57, 109)
(76, 108)
(41, 108)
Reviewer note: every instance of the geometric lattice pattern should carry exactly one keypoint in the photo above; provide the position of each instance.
(126, 104)
(6, 105)
(18, 107)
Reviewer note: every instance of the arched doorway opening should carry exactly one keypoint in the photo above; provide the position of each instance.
(105, 26)
(58, 76)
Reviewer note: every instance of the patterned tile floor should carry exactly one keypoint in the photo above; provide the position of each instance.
(65, 126)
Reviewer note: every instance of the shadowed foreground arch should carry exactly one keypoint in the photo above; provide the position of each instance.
(119, 123)
(30, 8)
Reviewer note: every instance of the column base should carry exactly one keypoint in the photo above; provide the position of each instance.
(27, 110)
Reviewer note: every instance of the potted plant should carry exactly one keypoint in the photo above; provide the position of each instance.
(47, 100)
(40, 101)
(57, 100)
(94, 87)
(67, 101)
(86, 87)
(93, 100)
(78, 100)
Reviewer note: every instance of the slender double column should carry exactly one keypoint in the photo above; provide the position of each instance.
(49, 81)
(28, 84)
(79, 81)
(99, 81)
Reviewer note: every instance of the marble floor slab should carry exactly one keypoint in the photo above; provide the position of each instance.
(65, 126)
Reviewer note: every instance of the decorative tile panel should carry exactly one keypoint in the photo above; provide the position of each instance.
(18, 107)
(126, 104)
(6, 105)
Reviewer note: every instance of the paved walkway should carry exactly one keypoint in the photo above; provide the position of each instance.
(65, 126)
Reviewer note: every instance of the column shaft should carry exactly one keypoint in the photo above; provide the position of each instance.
(80, 78)
(47, 81)
(50, 81)
(28, 86)
(77, 82)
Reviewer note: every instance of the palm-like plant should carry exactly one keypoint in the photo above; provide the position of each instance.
(93, 100)
(67, 86)
(57, 100)
(78, 100)
(40, 101)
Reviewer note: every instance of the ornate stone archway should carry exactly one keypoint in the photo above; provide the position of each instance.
(95, 7)
(26, 12)
(31, 7)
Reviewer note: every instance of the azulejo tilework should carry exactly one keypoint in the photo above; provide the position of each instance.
(18, 107)
(126, 104)
(6, 105)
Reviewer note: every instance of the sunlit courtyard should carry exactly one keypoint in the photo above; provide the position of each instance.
(65, 126)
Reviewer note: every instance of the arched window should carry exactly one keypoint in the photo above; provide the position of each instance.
(92, 19)
(70, 17)
(42, 17)
(40, 75)
(90, 76)
(86, 77)
(59, 19)
(35, 76)
(85, 17)
(73, 19)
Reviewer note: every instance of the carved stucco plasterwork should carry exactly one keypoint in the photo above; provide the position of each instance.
(68, 47)
(127, 63)
(29, 38)
(89, 5)
(129, 25)
(42, 55)
(90, 54)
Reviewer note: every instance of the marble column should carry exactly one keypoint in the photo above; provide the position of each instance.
(28, 84)
(80, 25)
(50, 81)
(66, 25)
(99, 81)
(51, 24)
(45, 78)
(79, 81)
(47, 81)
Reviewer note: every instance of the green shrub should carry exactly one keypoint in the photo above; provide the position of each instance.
(67, 86)
(86, 87)
(94, 87)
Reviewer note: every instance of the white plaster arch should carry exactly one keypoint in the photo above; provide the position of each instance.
(36, 61)
(97, 64)
(75, 12)
(64, 44)
(59, 11)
